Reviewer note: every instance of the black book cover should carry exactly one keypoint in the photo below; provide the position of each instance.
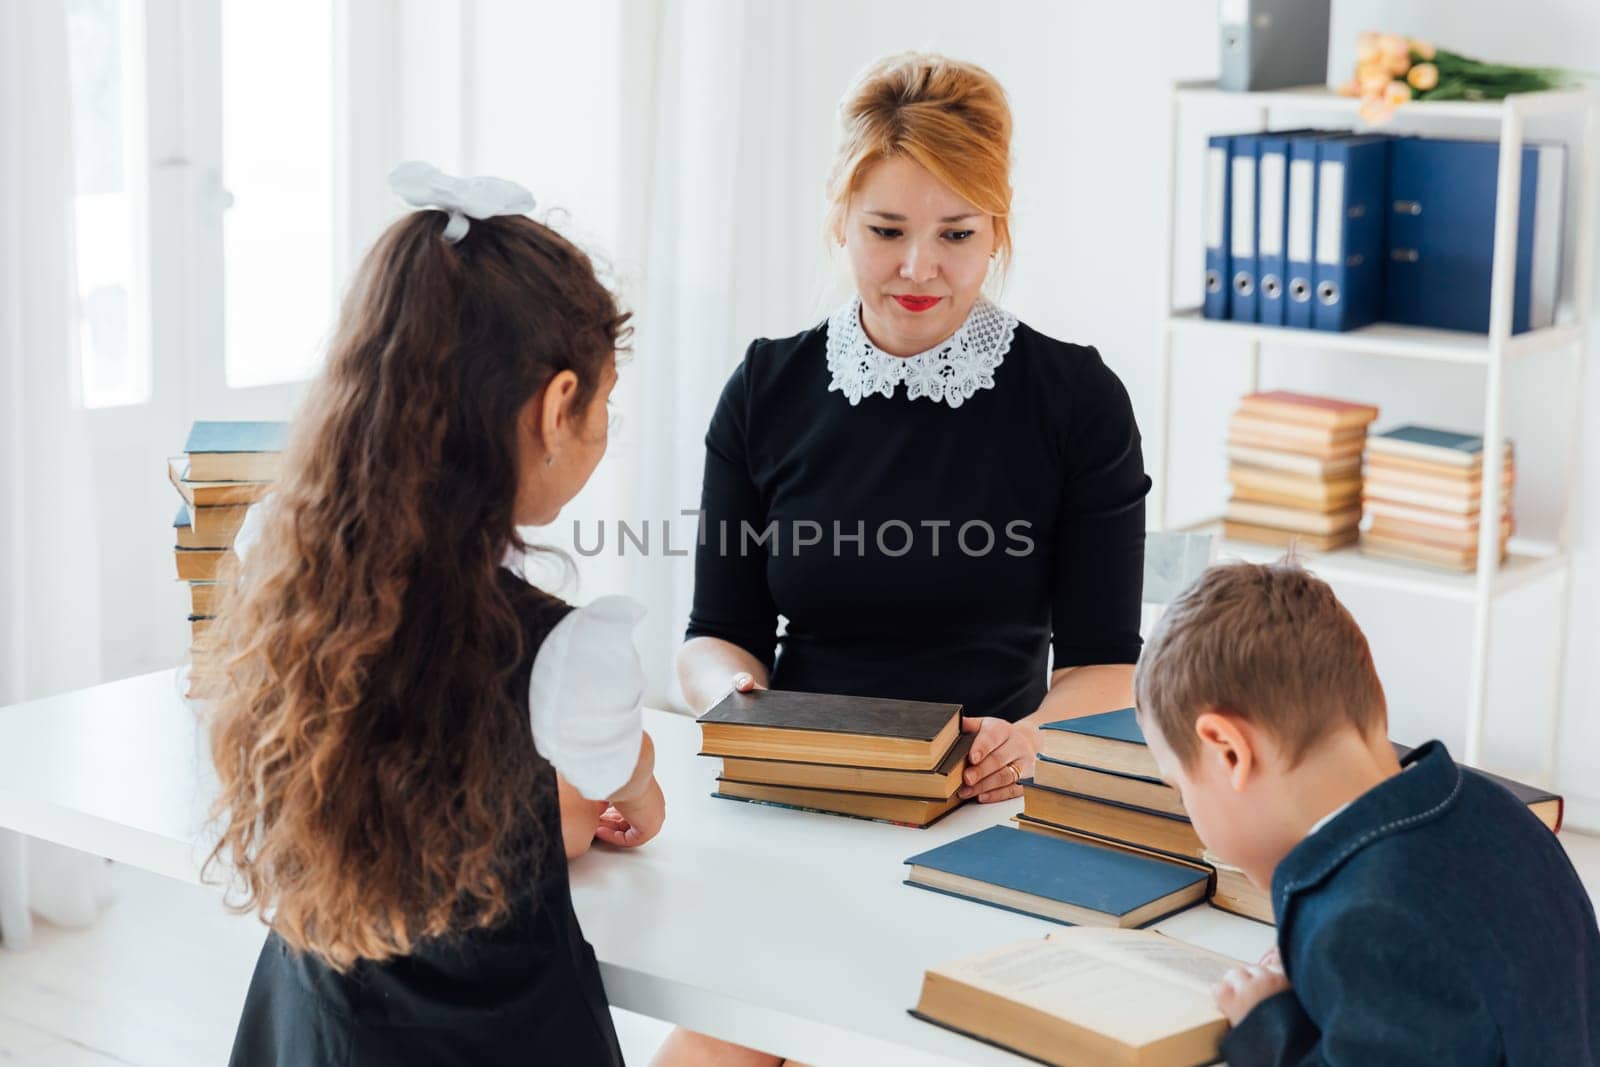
(911, 720)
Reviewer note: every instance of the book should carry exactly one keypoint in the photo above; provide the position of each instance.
(1428, 534)
(1271, 535)
(908, 735)
(1135, 789)
(1053, 878)
(1243, 423)
(1427, 443)
(1242, 456)
(1346, 498)
(235, 451)
(1444, 520)
(1023, 821)
(1548, 807)
(1110, 741)
(198, 625)
(1156, 830)
(1235, 893)
(219, 523)
(199, 564)
(1322, 411)
(1451, 502)
(204, 597)
(1294, 520)
(198, 494)
(1343, 449)
(936, 784)
(1453, 484)
(1455, 559)
(904, 811)
(1085, 997)
(1378, 461)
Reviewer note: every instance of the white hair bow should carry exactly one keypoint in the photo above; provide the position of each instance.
(424, 185)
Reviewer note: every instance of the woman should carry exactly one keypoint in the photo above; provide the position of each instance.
(397, 703)
(947, 496)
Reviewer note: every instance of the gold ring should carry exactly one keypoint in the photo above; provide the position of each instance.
(1016, 773)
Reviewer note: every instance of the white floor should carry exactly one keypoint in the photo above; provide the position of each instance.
(157, 982)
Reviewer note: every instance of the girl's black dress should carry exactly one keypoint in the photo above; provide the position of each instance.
(525, 992)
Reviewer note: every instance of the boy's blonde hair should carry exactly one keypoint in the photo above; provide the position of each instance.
(1269, 643)
(951, 117)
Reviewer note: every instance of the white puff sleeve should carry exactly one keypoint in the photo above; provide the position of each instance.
(255, 517)
(586, 693)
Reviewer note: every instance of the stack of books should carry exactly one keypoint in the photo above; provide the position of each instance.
(1294, 464)
(227, 466)
(896, 761)
(1096, 779)
(1423, 493)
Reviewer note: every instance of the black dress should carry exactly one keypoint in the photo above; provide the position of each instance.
(527, 991)
(920, 550)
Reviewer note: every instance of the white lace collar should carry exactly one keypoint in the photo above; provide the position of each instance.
(950, 372)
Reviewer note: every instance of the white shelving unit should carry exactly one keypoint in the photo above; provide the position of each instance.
(1491, 351)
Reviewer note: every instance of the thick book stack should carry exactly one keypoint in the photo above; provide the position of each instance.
(1423, 497)
(1095, 778)
(227, 466)
(896, 761)
(1294, 465)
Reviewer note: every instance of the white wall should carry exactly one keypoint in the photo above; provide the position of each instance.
(507, 88)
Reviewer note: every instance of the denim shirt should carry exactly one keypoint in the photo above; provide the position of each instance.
(1433, 921)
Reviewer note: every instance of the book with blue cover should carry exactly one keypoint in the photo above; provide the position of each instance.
(1110, 741)
(235, 451)
(1428, 444)
(1054, 878)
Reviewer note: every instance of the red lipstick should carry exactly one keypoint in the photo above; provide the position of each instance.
(917, 303)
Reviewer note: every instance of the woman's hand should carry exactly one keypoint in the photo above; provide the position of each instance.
(1002, 755)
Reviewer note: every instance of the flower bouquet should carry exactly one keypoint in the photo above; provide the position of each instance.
(1391, 69)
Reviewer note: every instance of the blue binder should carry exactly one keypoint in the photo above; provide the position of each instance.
(1299, 242)
(1244, 299)
(1272, 211)
(1441, 233)
(1218, 216)
(1348, 266)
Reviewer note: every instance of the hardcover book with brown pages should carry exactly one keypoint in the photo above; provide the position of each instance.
(1235, 893)
(903, 811)
(908, 735)
(199, 564)
(200, 494)
(235, 451)
(1324, 411)
(1066, 880)
(1271, 535)
(937, 784)
(1155, 830)
(1085, 997)
(1136, 789)
(1110, 741)
(1424, 497)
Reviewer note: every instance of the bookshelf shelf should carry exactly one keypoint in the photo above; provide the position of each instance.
(1380, 339)
(1492, 352)
(1526, 563)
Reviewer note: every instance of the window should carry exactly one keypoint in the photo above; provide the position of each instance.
(105, 58)
(278, 168)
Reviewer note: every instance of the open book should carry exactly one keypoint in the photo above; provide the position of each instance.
(1086, 997)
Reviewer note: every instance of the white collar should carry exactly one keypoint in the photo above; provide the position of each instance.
(950, 372)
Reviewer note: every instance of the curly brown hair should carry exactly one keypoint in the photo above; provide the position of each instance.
(378, 780)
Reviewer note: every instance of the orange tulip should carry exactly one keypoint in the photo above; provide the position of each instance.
(1376, 110)
(1423, 76)
(1350, 88)
(1367, 46)
(1373, 80)
(1423, 50)
(1397, 93)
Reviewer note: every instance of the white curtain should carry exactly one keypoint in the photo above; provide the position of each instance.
(726, 259)
(49, 580)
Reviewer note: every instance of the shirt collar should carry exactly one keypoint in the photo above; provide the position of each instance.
(1423, 793)
(951, 372)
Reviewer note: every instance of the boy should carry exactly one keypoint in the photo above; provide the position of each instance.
(1424, 915)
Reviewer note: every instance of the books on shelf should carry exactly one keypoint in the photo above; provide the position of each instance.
(1294, 469)
(1085, 997)
(1423, 497)
(898, 761)
(1065, 880)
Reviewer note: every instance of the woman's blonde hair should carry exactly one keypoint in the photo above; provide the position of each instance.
(950, 117)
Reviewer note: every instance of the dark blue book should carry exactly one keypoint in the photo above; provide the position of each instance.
(1111, 741)
(1054, 878)
(1430, 445)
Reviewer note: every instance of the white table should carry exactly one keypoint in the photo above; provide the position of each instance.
(774, 928)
